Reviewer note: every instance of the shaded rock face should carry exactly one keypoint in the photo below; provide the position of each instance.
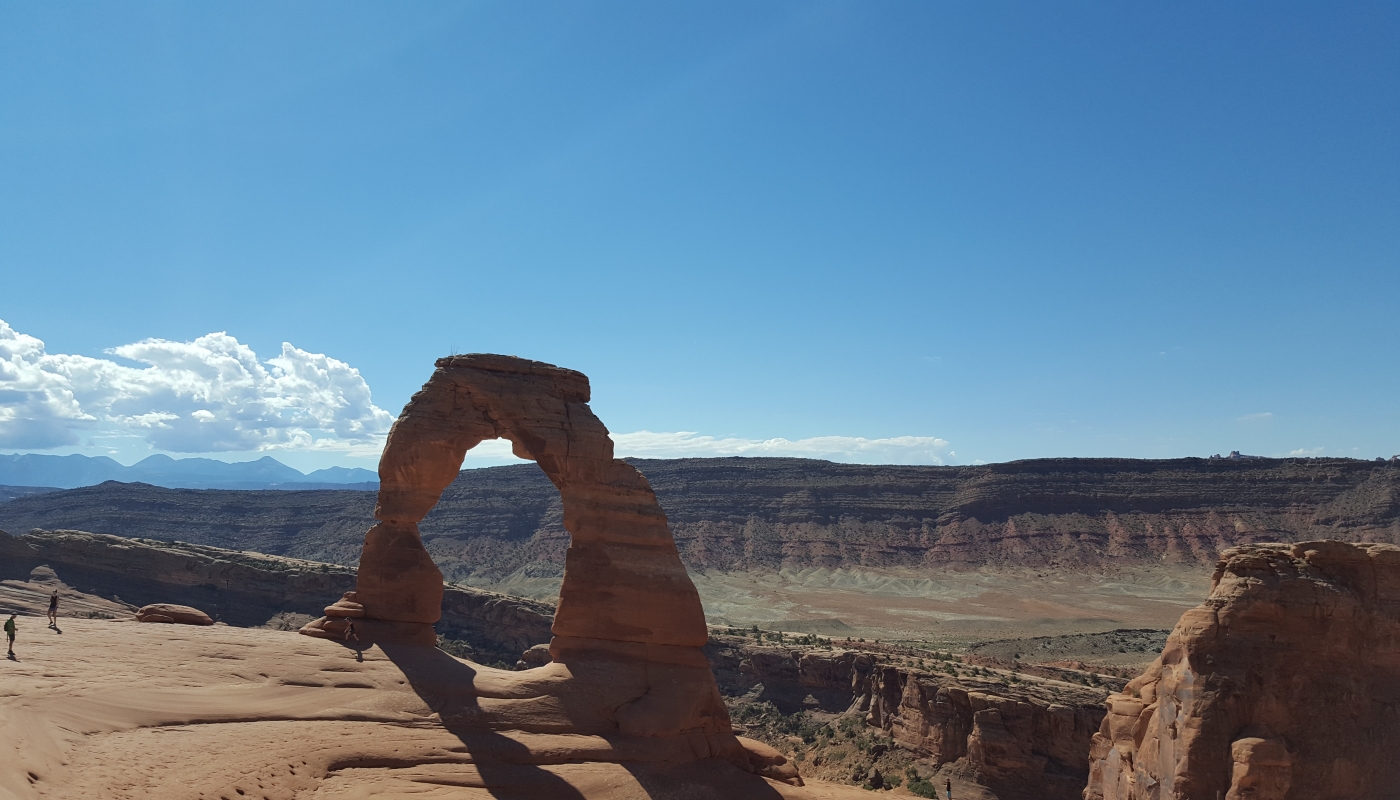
(1026, 741)
(239, 588)
(1284, 683)
(1020, 742)
(794, 679)
(629, 626)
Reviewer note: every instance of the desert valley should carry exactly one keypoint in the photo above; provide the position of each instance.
(778, 400)
(1012, 631)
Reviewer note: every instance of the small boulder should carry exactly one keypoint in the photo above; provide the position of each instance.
(167, 612)
(766, 761)
(536, 656)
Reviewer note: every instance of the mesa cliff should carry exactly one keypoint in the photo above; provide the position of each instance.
(762, 513)
(1284, 683)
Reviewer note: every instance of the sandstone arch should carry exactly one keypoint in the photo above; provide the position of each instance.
(623, 579)
(629, 625)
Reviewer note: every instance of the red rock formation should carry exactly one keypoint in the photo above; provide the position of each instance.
(240, 588)
(169, 612)
(1023, 741)
(624, 582)
(629, 625)
(1284, 683)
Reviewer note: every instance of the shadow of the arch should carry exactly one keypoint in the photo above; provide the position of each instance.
(507, 767)
(511, 771)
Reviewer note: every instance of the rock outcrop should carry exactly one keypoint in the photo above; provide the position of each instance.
(168, 712)
(1284, 683)
(170, 612)
(112, 573)
(629, 627)
(1023, 739)
(1026, 740)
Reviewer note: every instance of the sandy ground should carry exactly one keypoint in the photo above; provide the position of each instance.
(115, 709)
(952, 607)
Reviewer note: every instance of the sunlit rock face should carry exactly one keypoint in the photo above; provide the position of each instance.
(1284, 683)
(629, 627)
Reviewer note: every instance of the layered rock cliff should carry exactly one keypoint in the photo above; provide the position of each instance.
(745, 513)
(1283, 684)
(1019, 735)
(244, 588)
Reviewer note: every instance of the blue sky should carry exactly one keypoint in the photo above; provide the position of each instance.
(981, 231)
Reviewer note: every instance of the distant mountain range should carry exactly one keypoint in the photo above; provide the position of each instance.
(68, 472)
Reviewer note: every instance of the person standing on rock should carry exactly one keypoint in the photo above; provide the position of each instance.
(350, 632)
(948, 787)
(10, 633)
(53, 610)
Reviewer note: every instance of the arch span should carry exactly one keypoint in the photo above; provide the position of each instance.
(623, 579)
(629, 625)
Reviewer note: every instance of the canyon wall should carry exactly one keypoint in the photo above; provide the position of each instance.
(1283, 684)
(770, 513)
(1026, 739)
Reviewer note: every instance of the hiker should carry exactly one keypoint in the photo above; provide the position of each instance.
(948, 786)
(350, 632)
(53, 610)
(10, 633)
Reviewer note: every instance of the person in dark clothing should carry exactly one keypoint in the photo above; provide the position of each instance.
(350, 632)
(53, 610)
(948, 786)
(10, 633)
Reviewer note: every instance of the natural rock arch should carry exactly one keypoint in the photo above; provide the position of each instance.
(623, 578)
(629, 625)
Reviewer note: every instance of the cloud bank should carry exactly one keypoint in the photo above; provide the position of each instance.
(209, 395)
(214, 395)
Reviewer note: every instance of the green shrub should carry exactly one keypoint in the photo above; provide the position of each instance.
(922, 788)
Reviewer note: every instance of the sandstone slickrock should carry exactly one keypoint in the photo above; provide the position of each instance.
(170, 612)
(113, 709)
(241, 588)
(29, 595)
(629, 626)
(1284, 683)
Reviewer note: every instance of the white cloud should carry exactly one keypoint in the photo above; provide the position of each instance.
(1305, 452)
(1261, 416)
(849, 449)
(213, 395)
(208, 395)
